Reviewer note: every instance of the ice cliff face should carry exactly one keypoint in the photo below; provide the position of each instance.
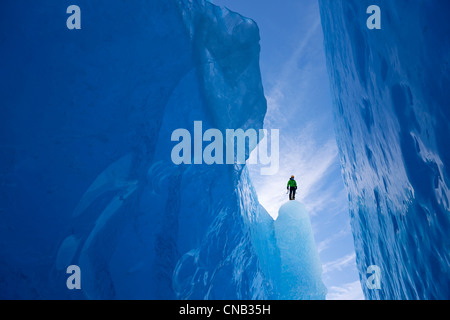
(392, 114)
(86, 176)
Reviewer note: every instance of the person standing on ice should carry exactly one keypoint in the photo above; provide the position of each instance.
(292, 187)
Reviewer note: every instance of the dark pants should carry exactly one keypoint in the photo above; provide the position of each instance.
(292, 193)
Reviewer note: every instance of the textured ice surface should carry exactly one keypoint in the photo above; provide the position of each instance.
(85, 173)
(301, 269)
(392, 115)
(85, 136)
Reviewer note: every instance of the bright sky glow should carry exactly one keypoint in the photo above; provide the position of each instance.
(296, 86)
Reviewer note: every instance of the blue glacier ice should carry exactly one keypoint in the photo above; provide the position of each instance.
(301, 270)
(392, 121)
(86, 176)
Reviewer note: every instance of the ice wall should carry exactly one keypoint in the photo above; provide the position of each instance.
(86, 176)
(392, 115)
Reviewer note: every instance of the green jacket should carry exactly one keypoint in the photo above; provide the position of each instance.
(292, 183)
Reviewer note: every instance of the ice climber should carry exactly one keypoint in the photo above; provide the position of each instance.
(292, 187)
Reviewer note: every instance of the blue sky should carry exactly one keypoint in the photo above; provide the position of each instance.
(297, 90)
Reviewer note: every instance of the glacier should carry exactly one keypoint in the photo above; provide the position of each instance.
(86, 176)
(301, 269)
(392, 115)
